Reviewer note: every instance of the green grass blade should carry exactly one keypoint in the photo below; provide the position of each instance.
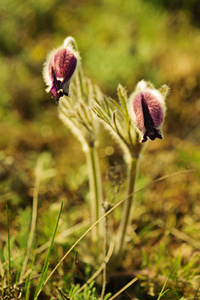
(27, 289)
(162, 291)
(46, 264)
(196, 293)
(9, 260)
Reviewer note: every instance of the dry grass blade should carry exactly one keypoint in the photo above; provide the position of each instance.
(168, 176)
(124, 288)
(186, 238)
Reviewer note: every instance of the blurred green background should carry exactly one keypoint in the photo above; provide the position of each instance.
(120, 41)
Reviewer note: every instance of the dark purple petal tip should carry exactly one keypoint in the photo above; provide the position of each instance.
(151, 131)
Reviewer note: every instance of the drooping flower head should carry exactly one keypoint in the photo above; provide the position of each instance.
(146, 108)
(59, 69)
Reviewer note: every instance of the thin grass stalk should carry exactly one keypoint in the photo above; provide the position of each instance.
(95, 191)
(2, 273)
(105, 269)
(127, 212)
(162, 291)
(34, 215)
(124, 288)
(46, 263)
(28, 285)
(9, 256)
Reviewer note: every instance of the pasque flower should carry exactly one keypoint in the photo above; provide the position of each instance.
(146, 108)
(59, 68)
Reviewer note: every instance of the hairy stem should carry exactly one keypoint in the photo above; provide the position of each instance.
(127, 212)
(96, 198)
(91, 154)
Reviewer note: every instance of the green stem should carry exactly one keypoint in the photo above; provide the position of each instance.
(127, 212)
(96, 198)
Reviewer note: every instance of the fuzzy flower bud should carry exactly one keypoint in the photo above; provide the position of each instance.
(146, 108)
(58, 70)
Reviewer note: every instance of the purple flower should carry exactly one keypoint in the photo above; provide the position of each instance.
(59, 69)
(147, 110)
